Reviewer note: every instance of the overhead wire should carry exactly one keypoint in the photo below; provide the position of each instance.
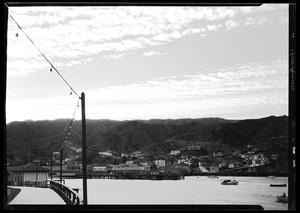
(70, 126)
(52, 66)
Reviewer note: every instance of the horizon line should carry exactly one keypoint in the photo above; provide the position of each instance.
(127, 120)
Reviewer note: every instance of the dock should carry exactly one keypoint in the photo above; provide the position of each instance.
(36, 196)
(136, 176)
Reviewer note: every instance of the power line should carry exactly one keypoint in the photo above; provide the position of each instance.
(52, 66)
(70, 125)
(68, 130)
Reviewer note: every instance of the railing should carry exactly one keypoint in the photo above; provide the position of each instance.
(42, 184)
(67, 194)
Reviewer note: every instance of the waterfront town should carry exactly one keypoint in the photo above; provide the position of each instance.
(192, 160)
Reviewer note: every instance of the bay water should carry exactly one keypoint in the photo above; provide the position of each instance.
(191, 190)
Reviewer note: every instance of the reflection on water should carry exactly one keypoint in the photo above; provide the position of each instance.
(191, 190)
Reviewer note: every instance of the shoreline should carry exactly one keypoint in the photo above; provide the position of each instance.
(239, 174)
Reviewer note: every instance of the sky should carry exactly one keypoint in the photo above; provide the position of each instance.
(148, 62)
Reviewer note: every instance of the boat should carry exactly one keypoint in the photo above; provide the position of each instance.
(229, 182)
(282, 198)
(271, 176)
(278, 184)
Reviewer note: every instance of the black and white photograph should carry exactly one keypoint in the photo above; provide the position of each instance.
(149, 106)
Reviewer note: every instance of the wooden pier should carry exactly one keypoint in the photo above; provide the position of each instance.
(134, 176)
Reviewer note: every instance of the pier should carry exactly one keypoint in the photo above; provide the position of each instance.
(45, 192)
(133, 176)
(35, 196)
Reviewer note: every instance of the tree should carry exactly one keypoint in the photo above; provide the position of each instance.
(195, 164)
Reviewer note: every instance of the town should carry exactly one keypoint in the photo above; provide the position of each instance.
(199, 159)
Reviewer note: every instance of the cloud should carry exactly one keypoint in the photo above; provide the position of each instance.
(231, 24)
(151, 53)
(68, 33)
(258, 88)
(252, 84)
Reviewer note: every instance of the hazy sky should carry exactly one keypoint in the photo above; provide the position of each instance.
(148, 62)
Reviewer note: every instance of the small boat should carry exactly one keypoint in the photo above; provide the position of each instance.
(229, 182)
(278, 184)
(282, 199)
(271, 176)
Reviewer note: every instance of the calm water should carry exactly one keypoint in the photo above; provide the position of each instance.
(191, 190)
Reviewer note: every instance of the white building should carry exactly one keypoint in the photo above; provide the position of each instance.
(17, 175)
(105, 153)
(231, 166)
(130, 168)
(99, 168)
(130, 162)
(160, 163)
(175, 152)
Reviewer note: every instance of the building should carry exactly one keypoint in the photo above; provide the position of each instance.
(136, 154)
(274, 156)
(99, 168)
(217, 154)
(222, 165)
(18, 175)
(130, 162)
(160, 163)
(130, 168)
(214, 169)
(258, 156)
(194, 147)
(256, 163)
(175, 152)
(182, 168)
(108, 153)
(231, 166)
(67, 169)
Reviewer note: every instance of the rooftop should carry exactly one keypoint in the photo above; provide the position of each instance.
(30, 167)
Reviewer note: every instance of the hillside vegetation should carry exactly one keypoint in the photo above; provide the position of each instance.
(154, 137)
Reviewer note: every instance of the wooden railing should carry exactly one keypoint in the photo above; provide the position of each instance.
(42, 184)
(67, 194)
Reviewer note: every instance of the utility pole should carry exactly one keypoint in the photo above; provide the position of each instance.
(84, 181)
(61, 158)
(36, 174)
(51, 165)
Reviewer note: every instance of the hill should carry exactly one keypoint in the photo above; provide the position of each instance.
(154, 137)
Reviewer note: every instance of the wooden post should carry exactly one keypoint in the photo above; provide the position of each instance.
(84, 181)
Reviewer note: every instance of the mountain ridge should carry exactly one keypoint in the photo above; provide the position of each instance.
(154, 136)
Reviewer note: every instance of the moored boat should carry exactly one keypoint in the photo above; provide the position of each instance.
(271, 176)
(278, 184)
(229, 182)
